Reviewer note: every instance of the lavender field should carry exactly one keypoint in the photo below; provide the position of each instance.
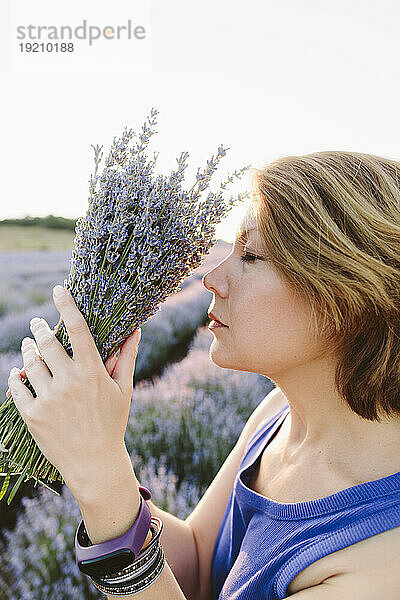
(186, 415)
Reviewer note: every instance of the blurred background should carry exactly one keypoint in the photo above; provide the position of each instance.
(266, 79)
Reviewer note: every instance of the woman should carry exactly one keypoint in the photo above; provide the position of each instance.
(307, 504)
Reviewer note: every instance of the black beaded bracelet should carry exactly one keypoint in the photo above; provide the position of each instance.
(135, 585)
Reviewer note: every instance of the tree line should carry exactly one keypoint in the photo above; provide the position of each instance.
(50, 222)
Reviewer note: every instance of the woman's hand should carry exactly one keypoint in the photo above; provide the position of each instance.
(80, 414)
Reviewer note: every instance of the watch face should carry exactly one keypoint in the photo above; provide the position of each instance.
(107, 565)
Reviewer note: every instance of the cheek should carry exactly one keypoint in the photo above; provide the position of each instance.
(262, 309)
(272, 323)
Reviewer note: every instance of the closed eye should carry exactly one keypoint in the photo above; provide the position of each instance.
(250, 257)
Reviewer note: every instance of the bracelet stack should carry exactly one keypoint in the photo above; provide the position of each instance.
(142, 573)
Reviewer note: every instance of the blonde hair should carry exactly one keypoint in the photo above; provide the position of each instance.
(330, 223)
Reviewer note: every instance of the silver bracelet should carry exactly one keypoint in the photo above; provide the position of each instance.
(136, 585)
(142, 572)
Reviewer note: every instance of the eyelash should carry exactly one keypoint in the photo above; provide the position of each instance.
(246, 256)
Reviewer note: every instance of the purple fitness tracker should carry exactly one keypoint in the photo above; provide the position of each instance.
(109, 557)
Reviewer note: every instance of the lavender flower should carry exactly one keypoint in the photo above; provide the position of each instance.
(141, 237)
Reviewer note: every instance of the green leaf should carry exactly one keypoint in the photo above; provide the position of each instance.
(5, 485)
(17, 486)
(3, 448)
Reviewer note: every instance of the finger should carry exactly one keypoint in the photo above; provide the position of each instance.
(111, 362)
(82, 342)
(37, 372)
(117, 355)
(125, 367)
(49, 347)
(23, 376)
(22, 396)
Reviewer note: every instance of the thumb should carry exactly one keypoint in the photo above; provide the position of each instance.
(125, 367)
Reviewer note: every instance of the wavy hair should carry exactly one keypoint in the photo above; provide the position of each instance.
(330, 223)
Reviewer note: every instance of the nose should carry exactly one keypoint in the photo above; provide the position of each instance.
(207, 280)
(218, 279)
(214, 281)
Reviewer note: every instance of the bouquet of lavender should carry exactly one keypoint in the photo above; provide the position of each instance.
(141, 237)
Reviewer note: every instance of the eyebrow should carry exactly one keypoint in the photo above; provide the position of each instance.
(242, 234)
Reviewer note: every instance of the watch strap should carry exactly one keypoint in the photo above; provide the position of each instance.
(132, 540)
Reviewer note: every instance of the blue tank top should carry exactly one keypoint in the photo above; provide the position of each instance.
(262, 544)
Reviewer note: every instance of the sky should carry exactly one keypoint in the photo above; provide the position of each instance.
(265, 78)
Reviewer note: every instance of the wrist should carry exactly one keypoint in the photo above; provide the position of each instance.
(100, 478)
(110, 507)
(91, 480)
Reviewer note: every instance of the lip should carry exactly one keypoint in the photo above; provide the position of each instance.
(217, 321)
(216, 325)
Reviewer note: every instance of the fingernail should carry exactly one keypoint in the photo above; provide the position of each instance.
(26, 341)
(58, 291)
(35, 320)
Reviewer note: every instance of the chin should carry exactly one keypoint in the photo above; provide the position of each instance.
(216, 355)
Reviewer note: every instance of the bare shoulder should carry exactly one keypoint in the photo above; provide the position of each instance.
(266, 410)
(369, 569)
(374, 568)
(377, 551)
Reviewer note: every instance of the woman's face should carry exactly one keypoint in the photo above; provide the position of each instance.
(268, 326)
